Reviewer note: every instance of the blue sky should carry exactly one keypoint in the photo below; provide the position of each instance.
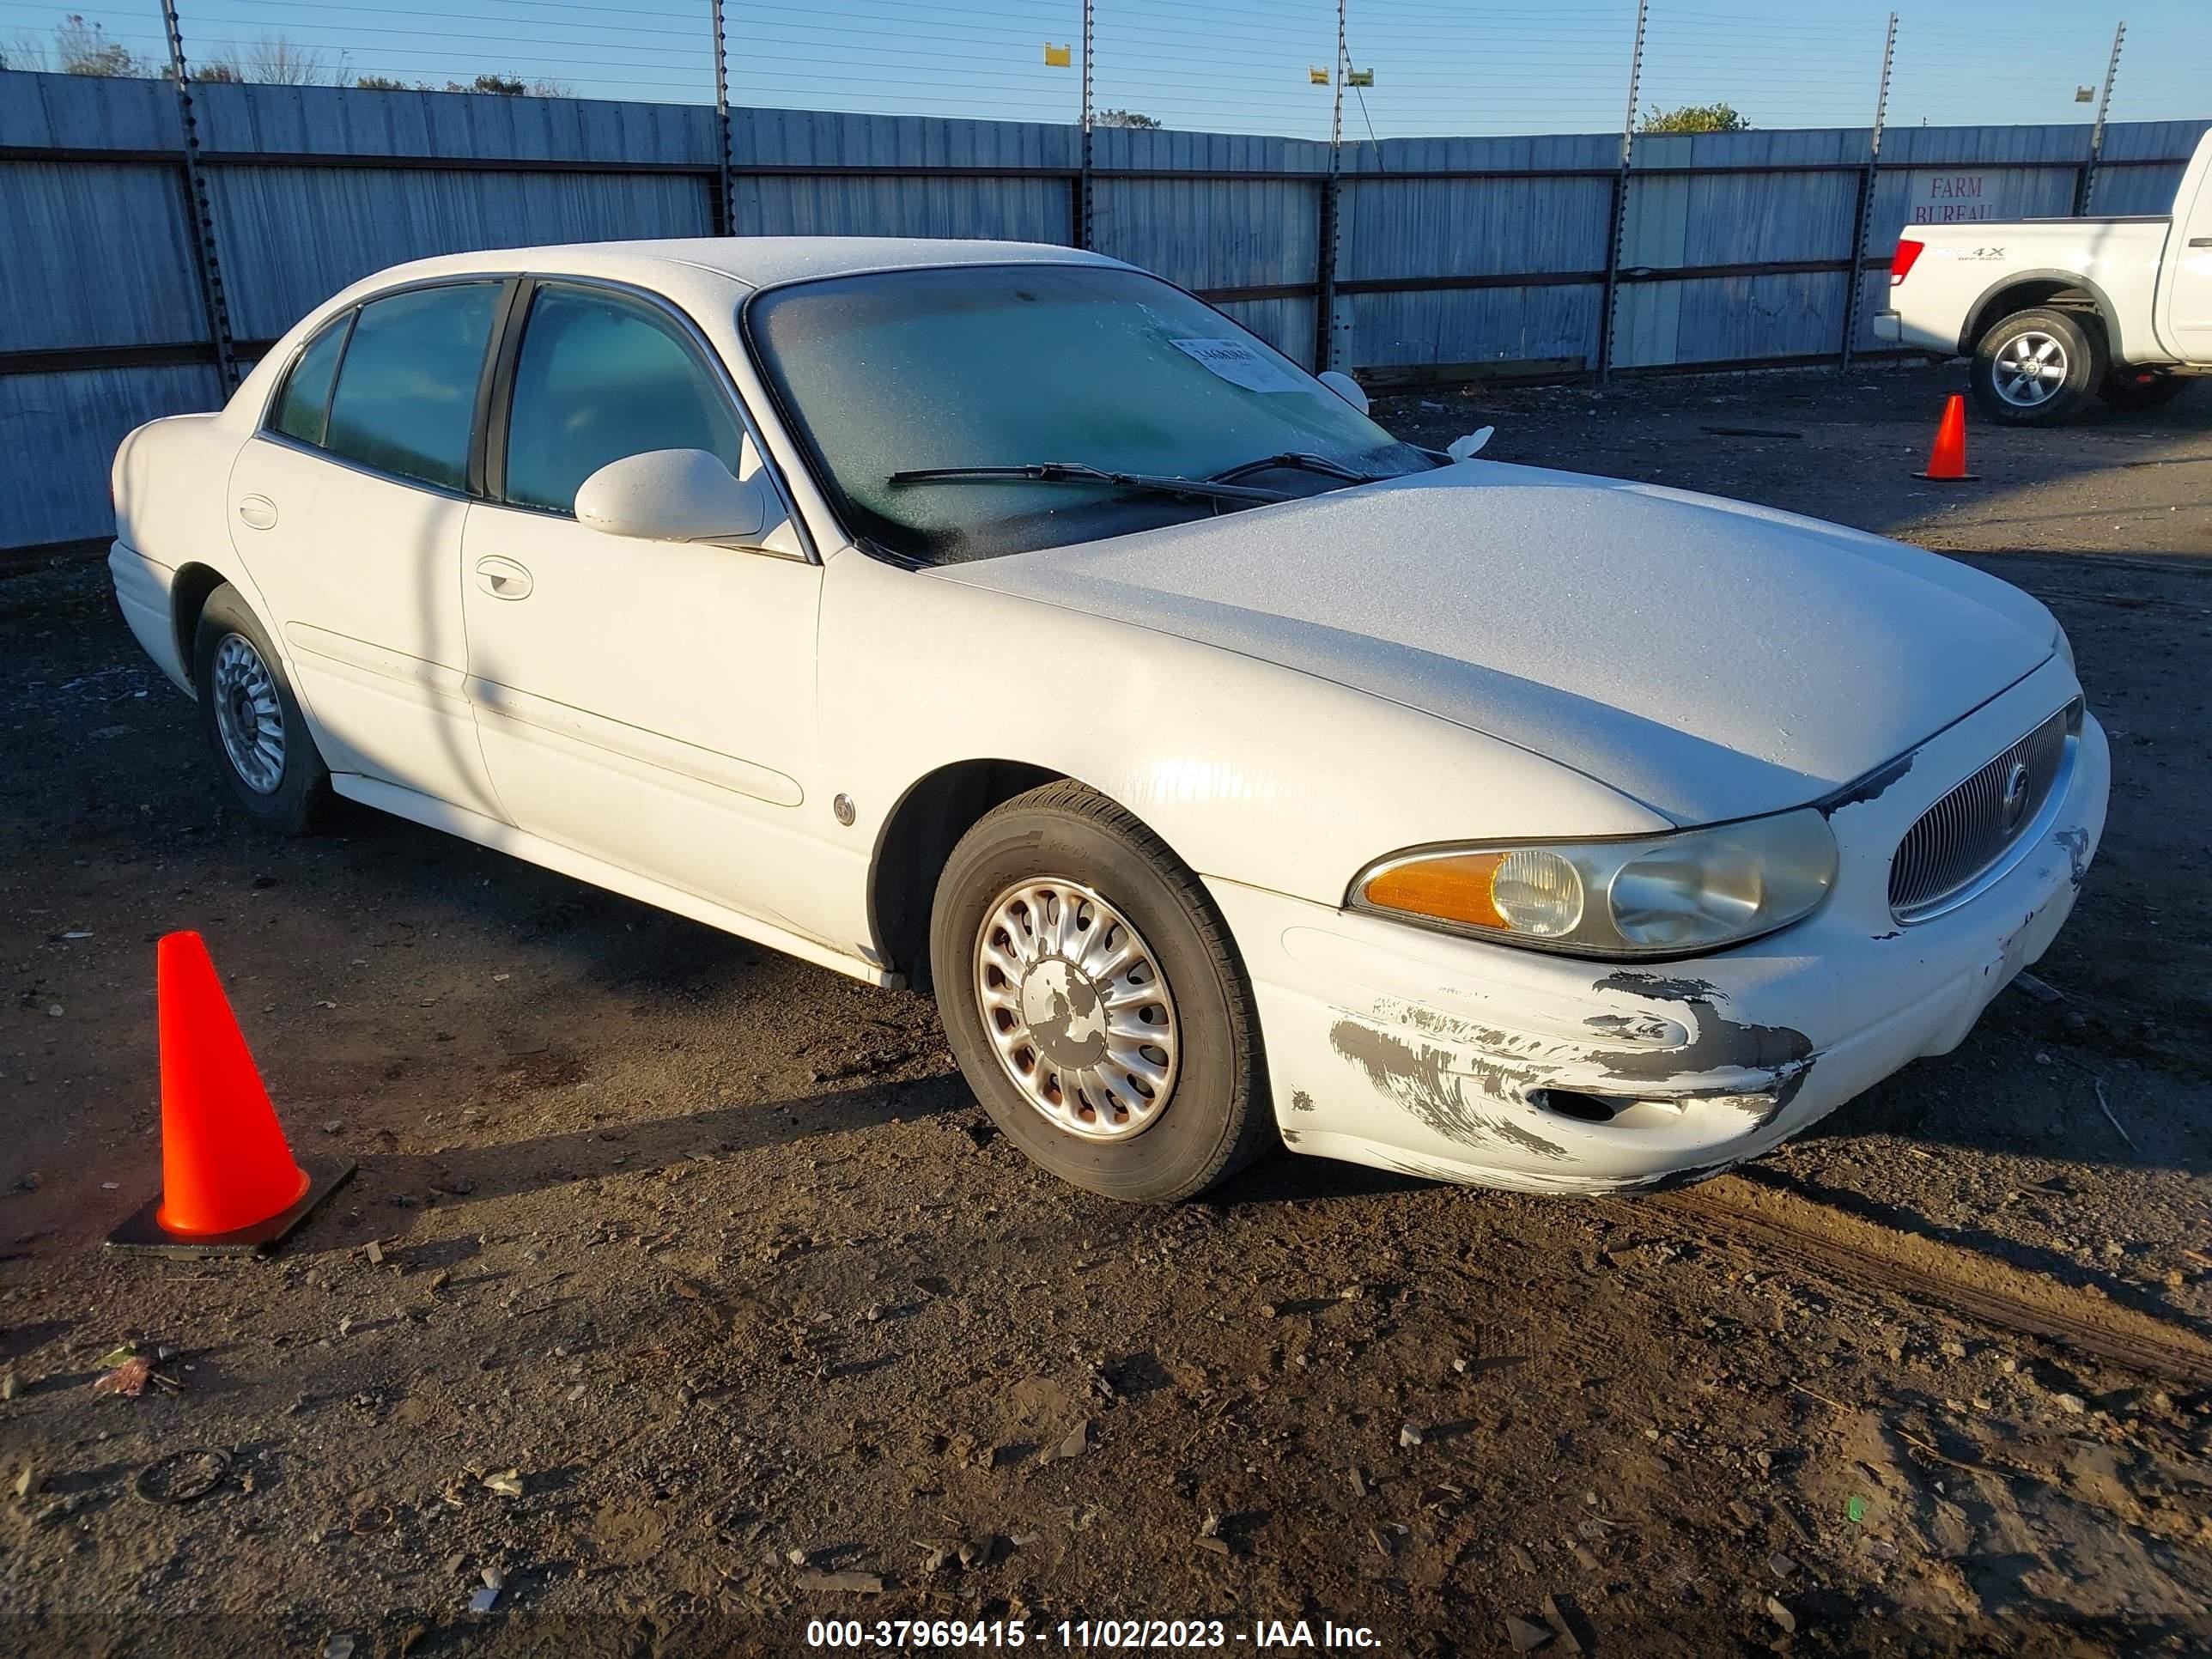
(1440, 66)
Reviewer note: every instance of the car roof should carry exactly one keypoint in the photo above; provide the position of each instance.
(753, 261)
(698, 274)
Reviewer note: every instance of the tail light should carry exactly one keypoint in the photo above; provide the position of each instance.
(1901, 261)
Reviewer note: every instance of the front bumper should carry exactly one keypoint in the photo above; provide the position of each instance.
(1444, 1057)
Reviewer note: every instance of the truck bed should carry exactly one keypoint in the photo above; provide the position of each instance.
(2068, 219)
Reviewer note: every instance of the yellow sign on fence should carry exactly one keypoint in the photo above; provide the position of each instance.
(1059, 57)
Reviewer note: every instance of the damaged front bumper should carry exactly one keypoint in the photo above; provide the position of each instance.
(1461, 1061)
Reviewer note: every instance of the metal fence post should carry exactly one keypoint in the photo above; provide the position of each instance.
(2085, 190)
(1856, 299)
(1083, 219)
(1325, 259)
(725, 206)
(1621, 201)
(200, 209)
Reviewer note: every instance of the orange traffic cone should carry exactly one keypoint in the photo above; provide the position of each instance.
(229, 1185)
(1947, 461)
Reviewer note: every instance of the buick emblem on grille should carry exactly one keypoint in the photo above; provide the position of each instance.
(2015, 799)
(1967, 835)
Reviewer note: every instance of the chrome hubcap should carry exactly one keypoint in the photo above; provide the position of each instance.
(2031, 369)
(248, 716)
(1076, 1008)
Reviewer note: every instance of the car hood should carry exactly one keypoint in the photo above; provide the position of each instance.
(1711, 659)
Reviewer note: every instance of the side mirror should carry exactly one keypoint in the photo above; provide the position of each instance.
(674, 496)
(1344, 387)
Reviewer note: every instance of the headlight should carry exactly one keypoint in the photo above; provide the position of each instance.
(1682, 894)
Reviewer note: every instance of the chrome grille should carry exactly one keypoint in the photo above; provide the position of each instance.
(1970, 829)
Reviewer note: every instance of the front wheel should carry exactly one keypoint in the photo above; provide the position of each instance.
(1095, 1001)
(2135, 389)
(2038, 367)
(252, 719)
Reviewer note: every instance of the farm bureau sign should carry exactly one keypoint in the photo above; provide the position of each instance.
(1952, 198)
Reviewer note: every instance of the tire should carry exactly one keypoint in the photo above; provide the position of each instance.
(2121, 389)
(2071, 356)
(238, 697)
(1063, 851)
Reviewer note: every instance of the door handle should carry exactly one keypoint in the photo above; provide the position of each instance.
(503, 579)
(258, 511)
(2200, 241)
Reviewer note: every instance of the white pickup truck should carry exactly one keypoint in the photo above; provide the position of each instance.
(2054, 312)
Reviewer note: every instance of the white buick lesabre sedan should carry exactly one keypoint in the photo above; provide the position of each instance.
(1003, 620)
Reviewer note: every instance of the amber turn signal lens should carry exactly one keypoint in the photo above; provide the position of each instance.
(1453, 889)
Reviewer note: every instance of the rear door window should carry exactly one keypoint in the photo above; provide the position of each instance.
(306, 398)
(405, 402)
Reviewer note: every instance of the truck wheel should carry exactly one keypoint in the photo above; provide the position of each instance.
(2126, 388)
(1095, 1001)
(2038, 367)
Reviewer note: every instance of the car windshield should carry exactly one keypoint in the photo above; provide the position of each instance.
(1036, 368)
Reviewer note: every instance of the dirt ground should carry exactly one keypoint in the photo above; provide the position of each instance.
(716, 1254)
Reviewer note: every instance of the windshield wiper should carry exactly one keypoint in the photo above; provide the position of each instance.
(1075, 473)
(1297, 462)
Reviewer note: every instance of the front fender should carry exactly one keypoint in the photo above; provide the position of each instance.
(1250, 771)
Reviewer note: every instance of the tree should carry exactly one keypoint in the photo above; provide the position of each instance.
(82, 48)
(513, 86)
(379, 83)
(23, 51)
(1694, 117)
(222, 68)
(280, 61)
(1123, 118)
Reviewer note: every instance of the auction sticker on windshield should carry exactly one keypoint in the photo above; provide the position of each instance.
(1236, 363)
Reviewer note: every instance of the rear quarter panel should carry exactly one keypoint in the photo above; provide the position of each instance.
(171, 481)
(170, 478)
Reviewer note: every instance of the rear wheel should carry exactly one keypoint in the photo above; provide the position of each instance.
(2129, 388)
(2038, 367)
(1095, 1002)
(252, 719)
